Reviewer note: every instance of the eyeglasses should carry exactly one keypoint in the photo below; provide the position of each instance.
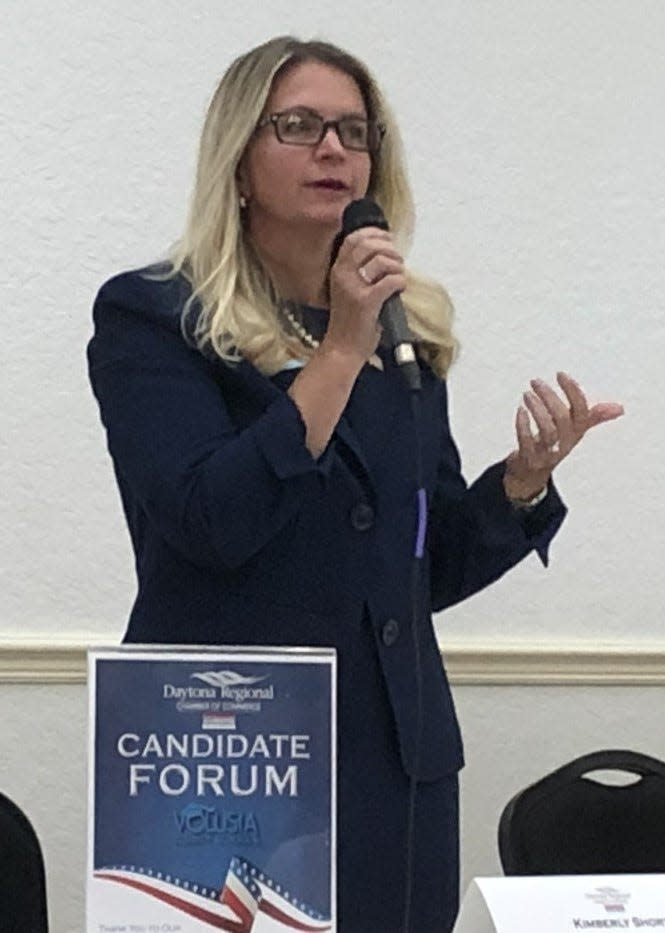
(303, 127)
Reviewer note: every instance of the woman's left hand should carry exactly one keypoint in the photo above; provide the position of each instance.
(560, 427)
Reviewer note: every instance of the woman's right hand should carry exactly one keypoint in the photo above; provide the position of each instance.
(367, 271)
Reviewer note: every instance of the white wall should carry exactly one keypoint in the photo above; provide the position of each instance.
(534, 136)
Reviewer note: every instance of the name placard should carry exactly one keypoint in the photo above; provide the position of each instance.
(563, 904)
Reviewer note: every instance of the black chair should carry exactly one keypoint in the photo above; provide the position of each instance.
(22, 881)
(570, 824)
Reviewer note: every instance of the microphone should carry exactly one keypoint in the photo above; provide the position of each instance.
(396, 334)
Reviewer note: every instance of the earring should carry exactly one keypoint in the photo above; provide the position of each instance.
(243, 202)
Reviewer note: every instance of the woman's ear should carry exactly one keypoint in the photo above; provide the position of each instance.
(242, 183)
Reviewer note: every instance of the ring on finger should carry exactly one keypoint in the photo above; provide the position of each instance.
(555, 447)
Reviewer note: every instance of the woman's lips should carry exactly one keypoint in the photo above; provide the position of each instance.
(331, 184)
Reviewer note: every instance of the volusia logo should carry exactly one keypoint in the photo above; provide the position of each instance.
(196, 822)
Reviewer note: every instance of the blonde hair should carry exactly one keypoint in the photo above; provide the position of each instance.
(233, 308)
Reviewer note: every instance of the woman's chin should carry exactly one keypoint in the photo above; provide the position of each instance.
(326, 215)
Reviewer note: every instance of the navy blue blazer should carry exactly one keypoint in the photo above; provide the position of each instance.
(241, 537)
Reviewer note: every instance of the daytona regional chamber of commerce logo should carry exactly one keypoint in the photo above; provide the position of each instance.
(219, 696)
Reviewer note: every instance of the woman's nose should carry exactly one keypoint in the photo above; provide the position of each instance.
(331, 143)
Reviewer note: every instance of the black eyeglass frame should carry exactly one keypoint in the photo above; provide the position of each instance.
(372, 125)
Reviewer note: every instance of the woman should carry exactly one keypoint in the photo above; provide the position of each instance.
(264, 448)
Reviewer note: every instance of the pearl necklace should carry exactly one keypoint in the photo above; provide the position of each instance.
(300, 330)
(306, 338)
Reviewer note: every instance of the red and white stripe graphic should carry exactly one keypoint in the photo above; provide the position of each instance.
(248, 901)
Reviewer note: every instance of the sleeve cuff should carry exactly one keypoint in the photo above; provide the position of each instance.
(538, 525)
(280, 436)
(541, 523)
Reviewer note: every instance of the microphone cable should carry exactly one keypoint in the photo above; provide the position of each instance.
(416, 612)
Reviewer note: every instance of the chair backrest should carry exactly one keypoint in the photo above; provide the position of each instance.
(569, 824)
(22, 881)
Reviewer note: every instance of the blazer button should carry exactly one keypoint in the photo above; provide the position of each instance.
(362, 516)
(390, 632)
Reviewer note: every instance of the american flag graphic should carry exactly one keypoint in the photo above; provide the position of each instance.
(247, 897)
(218, 721)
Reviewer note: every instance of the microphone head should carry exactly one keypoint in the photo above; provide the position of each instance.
(362, 213)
